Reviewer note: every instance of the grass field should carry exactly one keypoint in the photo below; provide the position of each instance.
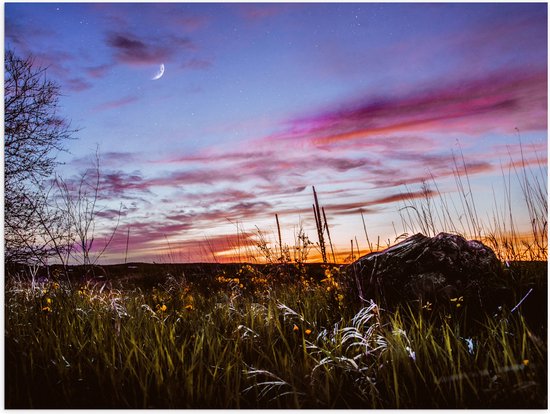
(245, 336)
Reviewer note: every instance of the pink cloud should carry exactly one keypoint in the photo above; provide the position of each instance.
(118, 103)
(118, 184)
(205, 217)
(505, 151)
(197, 64)
(99, 71)
(77, 84)
(259, 12)
(219, 248)
(356, 207)
(189, 23)
(500, 102)
(155, 243)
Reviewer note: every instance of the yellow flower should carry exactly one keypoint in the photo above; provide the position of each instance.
(295, 328)
(47, 309)
(525, 362)
(48, 301)
(161, 308)
(308, 331)
(55, 285)
(328, 273)
(189, 307)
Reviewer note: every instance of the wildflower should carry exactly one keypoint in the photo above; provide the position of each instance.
(49, 301)
(295, 328)
(427, 306)
(328, 273)
(189, 307)
(55, 285)
(525, 362)
(340, 297)
(308, 331)
(458, 301)
(46, 309)
(161, 308)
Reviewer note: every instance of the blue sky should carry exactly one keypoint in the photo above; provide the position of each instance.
(259, 102)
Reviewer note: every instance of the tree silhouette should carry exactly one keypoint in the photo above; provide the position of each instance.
(34, 134)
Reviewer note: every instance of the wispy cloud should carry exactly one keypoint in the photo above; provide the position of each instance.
(499, 102)
(260, 12)
(187, 22)
(197, 64)
(99, 71)
(130, 49)
(118, 103)
(119, 184)
(158, 242)
(77, 84)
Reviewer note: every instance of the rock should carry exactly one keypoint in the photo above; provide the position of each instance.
(421, 269)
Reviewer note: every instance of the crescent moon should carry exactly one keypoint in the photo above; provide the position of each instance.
(159, 73)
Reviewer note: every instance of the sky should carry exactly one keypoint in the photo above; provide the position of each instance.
(260, 102)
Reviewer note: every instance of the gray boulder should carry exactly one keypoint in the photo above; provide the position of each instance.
(443, 270)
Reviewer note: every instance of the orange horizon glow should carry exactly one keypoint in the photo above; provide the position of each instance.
(250, 253)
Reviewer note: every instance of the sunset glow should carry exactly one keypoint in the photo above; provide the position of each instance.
(257, 103)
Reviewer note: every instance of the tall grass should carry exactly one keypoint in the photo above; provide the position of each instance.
(250, 344)
(436, 211)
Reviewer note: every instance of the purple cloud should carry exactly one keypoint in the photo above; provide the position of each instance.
(99, 71)
(77, 84)
(129, 49)
(118, 103)
(260, 12)
(501, 101)
(198, 64)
